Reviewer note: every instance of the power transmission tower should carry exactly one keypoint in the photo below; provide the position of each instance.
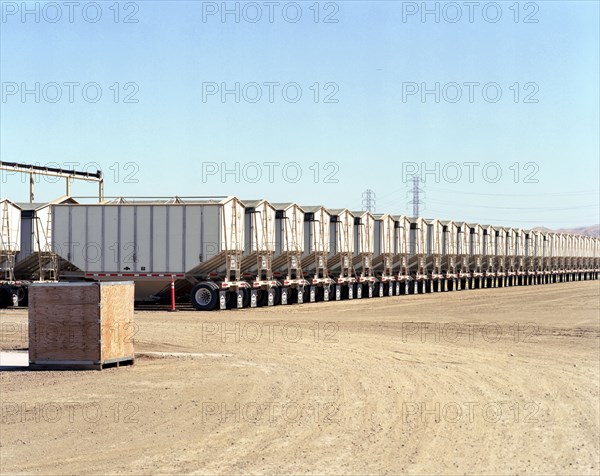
(417, 192)
(368, 200)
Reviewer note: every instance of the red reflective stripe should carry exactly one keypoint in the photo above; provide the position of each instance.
(143, 275)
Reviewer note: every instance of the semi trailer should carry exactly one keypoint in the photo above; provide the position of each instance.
(222, 252)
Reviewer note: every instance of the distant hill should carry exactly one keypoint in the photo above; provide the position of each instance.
(593, 230)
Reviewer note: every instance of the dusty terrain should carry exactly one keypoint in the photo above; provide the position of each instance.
(498, 381)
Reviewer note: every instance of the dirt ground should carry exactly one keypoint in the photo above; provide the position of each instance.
(491, 381)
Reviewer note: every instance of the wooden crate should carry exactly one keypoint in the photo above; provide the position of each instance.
(81, 325)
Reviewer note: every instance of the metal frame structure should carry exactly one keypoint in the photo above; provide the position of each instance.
(67, 174)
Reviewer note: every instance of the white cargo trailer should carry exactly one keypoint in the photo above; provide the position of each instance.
(560, 248)
(450, 265)
(476, 254)
(197, 240)
(10, 237)
(259, 248)
(434, 248)
(10, 245)
(383, 254)
(520, 256)
(577, 261)
(541, 252)
(501, 258)
(554, 253)
(596, 255)
(464, 255)
(37, 260)
(289, 248)
(418, 254)
(529, 247)
(585, 245)
(341, 252)
(588, 253)
(511, 256)
(317, 226)
(489, 256)
(364, 247)
(401, 260)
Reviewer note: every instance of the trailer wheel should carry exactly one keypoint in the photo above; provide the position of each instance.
(246, 298)
(319, 294)
(345, 291)
(5, 297)
(23, 296)
(231, 302)
(276, 290)
(292, 296)
(263, 298)
(205, 296)
(305, 290)
(232, 299)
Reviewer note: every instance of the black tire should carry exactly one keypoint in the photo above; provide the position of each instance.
(205, 296)
(292, 297)
(332, 290)
(306, 294)
(276, 295)
(231, 301)
(246, 298)
(263, 298)
(23, 296)
(233, 297)
(344, 292)
(319, 294)
(5, 297)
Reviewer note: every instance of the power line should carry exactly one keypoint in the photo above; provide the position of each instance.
(536, 209)
(559, 194)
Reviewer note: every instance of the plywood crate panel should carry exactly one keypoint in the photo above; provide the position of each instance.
(81, 325)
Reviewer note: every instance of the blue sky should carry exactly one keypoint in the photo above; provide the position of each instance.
(365, 135)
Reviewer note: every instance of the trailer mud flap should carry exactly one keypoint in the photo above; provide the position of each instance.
(240, 299)
(359, 291)
(222, 300)
(284, 296)
(253, 298)
(313, 293)
(338, 292)
(271, 296)
(350, 291)
(300, 291)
